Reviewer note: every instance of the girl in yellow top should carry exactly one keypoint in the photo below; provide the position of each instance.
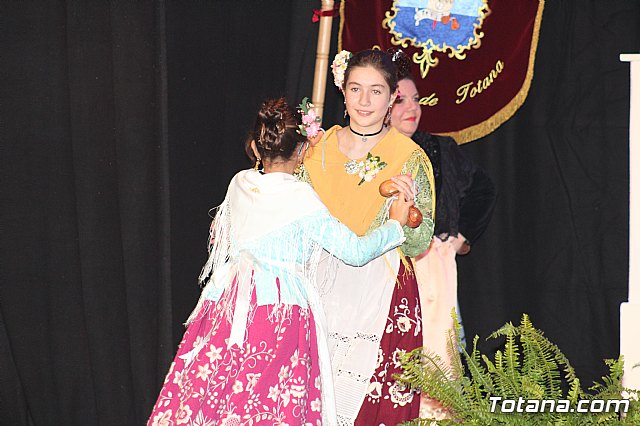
(373, 311)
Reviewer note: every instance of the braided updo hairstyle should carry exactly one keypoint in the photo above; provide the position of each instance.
(275, 131)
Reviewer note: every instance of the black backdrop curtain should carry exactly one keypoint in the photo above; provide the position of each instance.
(122, 123)
(85, 296)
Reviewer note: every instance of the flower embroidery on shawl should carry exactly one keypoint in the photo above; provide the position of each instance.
(366, 169)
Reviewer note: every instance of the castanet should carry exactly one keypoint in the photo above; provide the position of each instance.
(415, 216)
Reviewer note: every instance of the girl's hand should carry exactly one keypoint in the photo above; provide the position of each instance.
(404, 183)
(399, 209)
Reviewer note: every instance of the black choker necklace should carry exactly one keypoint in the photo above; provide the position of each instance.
(364, 136)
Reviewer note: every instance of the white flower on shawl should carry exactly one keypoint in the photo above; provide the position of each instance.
(183, 415)
(404, 324)
(318, 383)
(214, 353)
(163, 419)
(203, 372)
(237, 387)
(366, 169)
(316, 405)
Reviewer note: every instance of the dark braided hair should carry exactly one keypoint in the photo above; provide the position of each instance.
(275, 131)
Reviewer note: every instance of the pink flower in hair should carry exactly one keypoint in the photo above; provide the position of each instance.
(310, 121)
(310, 117)
(313, 129)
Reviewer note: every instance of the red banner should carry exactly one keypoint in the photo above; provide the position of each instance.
(473, 59)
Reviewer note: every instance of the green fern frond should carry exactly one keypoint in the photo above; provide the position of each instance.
(611, 383)
(543, 359)
(511, 356)
(529, 366)
(575, 392)
(480, 379)
(506, 330)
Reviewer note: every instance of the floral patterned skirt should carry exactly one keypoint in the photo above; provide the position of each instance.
(388, 402)
(273, 380)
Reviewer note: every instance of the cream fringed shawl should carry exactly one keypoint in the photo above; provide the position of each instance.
(246, 239)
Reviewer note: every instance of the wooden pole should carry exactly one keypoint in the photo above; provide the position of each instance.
(322, 59)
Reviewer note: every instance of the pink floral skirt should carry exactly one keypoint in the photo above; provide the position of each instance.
(273, 380)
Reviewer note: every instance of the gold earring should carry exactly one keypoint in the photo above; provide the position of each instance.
(257, 165)
(345, 109)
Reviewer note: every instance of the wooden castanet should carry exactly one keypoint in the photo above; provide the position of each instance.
(415, 216)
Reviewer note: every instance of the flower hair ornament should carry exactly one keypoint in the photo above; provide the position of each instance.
(310, 126)
(339, 66)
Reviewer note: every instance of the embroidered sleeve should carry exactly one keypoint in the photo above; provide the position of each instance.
(342, 243)
(418, 239)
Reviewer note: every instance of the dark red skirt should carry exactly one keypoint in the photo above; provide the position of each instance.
(388, 402)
